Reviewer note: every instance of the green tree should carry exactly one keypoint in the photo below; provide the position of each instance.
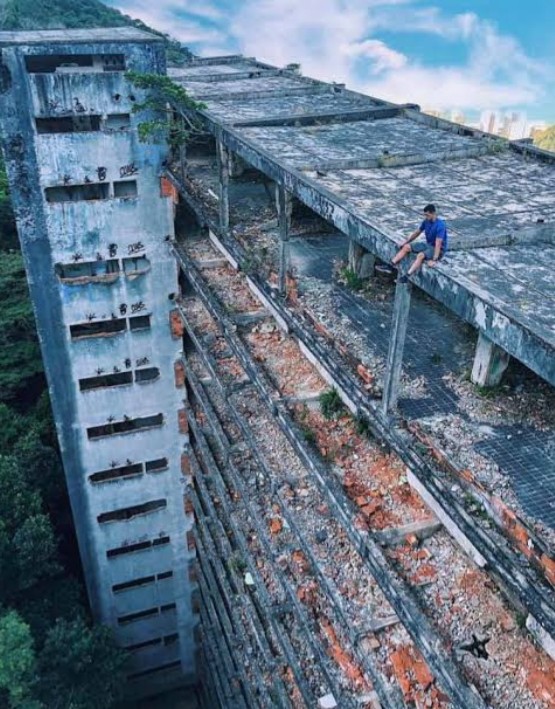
(17, 661)
(163, 99)
(20, 361)
(80, 667)
(546, 139)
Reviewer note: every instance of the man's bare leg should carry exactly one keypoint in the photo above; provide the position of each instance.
(401, 254)
(418, 261)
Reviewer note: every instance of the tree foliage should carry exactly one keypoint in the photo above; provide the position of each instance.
(17, 661)
(546, 139)
(79, 667)
(168, 108)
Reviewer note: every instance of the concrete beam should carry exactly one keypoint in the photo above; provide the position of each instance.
(264, 93)
(223, 173)
(400, 318)
(422, 530)
(235, 76)
(309, 119)
(387, 161)
(490, 363)
(284, 206)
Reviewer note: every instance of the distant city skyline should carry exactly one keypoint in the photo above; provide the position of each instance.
(514, 125)
(473, 54)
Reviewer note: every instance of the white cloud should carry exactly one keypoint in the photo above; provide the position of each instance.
(338, 40)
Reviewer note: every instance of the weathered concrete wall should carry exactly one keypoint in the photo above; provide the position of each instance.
(75, 232)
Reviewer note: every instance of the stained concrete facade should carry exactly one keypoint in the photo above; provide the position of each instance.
(94, 227)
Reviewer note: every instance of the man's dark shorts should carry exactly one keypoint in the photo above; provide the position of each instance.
(423, 248)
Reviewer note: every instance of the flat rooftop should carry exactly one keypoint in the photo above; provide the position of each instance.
(370, 166)
(77, 36)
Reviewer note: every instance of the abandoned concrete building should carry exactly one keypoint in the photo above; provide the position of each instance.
(295, 481)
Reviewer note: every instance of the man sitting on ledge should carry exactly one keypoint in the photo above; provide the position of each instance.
(431, 251)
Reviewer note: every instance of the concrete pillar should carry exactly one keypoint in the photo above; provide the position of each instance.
(397, 337)
(490, 362)
(223, 171)
(183, 155)
(361, 261)
(284, 206)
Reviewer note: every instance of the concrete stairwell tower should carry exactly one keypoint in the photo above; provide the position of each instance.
(94, 222)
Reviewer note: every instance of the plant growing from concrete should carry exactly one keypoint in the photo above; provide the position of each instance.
(170, 109)
(351, 279)
(331, 405)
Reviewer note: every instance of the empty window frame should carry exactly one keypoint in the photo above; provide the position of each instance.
(67, 124)
(126, 513)
(98, 328)
(154, 670)
(117, 473)
(166, 640)
(105, 270)
(125, 189)
(139, 322)
(139, 546)
(135, 266)
(131, 470)
(128, 425)
(143, 581)
(69, 63)
(77, 193)
(156, 466)
(106, 380)
(116, 122)
(150, 374)
(148, 613)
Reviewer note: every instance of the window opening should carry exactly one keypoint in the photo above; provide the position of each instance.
(143, 581)
(77, 193)
(155, 466)
(74, 63)
(128, 425)
(98, 328)
(117, 122)
(140, 615)
(139, 322)
(67, 124)
(145, 643)
(101, 270)
(117, 473)
(125, 189)
(135, 266)
(140, 546)
(127, 513)
(146, 375)
(106, 380)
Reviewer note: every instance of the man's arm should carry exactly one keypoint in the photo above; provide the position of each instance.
(413, 236)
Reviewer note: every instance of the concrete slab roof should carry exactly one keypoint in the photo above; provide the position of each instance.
(77, 36)
(372, 174)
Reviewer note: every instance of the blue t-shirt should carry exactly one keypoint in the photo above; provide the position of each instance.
(435, 230)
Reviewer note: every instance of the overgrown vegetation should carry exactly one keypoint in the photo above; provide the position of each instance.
(351, 280)
(50, 656)
(545, 139)
(331, 405)
(163, 122)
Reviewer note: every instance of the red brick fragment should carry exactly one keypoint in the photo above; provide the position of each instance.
(183, 423)
(176, 324)
(191, 544)
(179, 373)
(185, 464)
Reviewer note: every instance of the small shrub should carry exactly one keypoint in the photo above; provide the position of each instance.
(330, 404)
(351, 279)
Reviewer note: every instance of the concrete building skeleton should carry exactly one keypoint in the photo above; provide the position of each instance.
(96, 227)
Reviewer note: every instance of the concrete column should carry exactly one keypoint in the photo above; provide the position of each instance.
(399, 324)
(284, 205)
(490, 362)
(361, 261)
(223, 170)
(183, 155)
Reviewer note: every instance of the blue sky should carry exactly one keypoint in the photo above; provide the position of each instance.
(472, 56)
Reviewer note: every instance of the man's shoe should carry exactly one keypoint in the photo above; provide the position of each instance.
(384, 268)
(404, 279)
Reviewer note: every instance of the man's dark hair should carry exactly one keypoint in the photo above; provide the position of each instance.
(430, 209)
